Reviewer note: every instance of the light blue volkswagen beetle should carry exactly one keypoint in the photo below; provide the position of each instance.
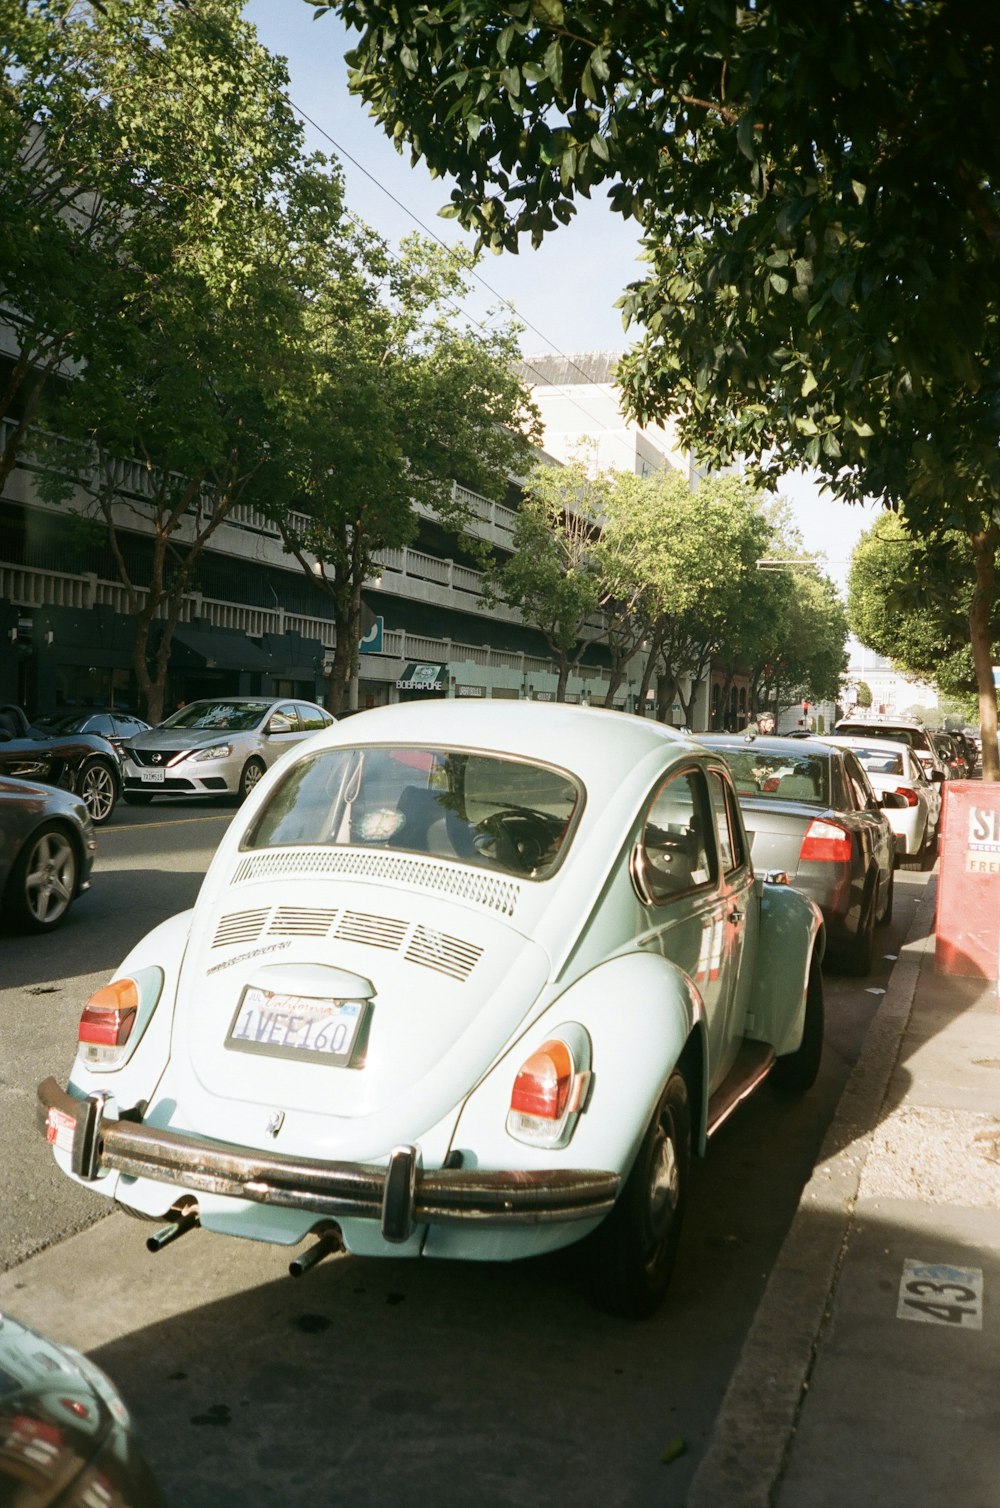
(462, 981)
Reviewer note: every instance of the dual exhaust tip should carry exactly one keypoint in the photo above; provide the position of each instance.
(184, 1216)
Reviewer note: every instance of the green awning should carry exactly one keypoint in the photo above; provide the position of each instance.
(215, 648)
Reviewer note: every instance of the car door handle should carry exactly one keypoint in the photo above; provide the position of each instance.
(735, 917)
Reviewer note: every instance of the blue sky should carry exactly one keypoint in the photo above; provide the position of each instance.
(564, 293)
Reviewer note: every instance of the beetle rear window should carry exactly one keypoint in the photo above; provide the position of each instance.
(483, 809)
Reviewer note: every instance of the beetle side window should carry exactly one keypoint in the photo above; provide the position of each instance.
(674, 848)
(727, 829)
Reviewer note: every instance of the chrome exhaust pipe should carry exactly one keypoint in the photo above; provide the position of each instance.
(330, 1242)
(185, 1219)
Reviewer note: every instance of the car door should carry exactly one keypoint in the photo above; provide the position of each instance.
(677, 874)
(741, 916)
(877, 836)
(279, 736)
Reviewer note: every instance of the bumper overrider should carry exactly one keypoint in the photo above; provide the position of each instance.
(399, 1194)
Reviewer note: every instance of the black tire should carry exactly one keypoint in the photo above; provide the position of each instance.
(44, 879)
(253, 770)
(886, 917)
(136, 798)
(98, 786)
(860, 953)
(632, 1252)
(795, 1072)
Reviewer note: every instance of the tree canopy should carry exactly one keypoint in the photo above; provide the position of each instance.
(909, 600)
(817, 189)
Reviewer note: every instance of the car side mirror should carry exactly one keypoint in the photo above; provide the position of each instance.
(937, 776)
(279, 723)
(893, 801)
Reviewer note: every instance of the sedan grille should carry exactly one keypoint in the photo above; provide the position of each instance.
(152, 757)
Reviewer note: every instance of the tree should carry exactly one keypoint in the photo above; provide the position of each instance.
(393, 400)
(822, 247)
(185, 333)
(554, 574)
(909, 599)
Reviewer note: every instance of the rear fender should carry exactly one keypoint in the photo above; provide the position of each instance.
(638, 1012)
(791, 933)
(163, 950)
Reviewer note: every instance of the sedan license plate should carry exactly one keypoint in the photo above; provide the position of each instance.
(151, 777)
(295, 1026)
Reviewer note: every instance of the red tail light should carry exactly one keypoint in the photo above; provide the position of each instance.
(827, 843)
(547, 1096)
(107, 1021)
(912, 799)
(542, 1086)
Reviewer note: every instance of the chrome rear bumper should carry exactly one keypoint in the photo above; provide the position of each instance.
(400, 1194)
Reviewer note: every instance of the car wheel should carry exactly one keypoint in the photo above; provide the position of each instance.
(44, 879)
(136, 798)
(252, 772)
(861, 951)
(795, 1072)
(886, 916)
(97, 787)
(632, 1252)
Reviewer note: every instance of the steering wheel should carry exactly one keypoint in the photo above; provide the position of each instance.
(512, 838)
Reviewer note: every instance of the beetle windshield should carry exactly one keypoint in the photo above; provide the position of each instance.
(786, 777)
(484, 809)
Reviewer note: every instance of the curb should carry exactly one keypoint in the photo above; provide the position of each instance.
(756, 1423)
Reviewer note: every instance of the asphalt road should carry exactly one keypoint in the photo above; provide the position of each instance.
(370, 1382)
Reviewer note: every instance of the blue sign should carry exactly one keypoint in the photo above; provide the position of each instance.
(371, 642)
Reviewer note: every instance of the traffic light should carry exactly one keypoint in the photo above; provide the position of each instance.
(805, 708)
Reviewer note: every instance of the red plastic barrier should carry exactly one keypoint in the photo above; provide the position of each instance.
(967, 928)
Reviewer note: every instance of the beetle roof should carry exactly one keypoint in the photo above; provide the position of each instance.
(590, 742)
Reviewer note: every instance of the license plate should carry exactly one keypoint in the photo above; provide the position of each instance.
(151, 777)
(295, 1026)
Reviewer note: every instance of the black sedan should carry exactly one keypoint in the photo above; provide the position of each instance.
(111, 723)
(80, 762)
(46, 854)
(811, 812)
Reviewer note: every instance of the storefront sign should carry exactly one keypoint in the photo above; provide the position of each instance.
(470, 690)
(421, 677)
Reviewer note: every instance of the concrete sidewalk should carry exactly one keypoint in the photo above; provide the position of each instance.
(869, 1375)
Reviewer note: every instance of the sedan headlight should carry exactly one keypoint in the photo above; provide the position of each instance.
(216, 751)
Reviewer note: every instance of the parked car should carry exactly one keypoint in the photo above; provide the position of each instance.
(461, 981)
(79, 762)
(894, 767)
(900, 731)
(218, 747)
(66, 1439)
(950, 755)
(46, 853)
(109, 722)
(812, 813)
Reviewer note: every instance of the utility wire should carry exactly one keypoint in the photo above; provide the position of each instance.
(525, 361)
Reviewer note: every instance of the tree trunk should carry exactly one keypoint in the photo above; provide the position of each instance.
(984, 545)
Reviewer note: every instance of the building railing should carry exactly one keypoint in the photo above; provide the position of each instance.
(135, 478)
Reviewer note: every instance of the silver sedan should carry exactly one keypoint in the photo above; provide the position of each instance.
(217, 747)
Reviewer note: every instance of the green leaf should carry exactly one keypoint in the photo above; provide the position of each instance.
(554, 64)
(550, 12)
(744, 137)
